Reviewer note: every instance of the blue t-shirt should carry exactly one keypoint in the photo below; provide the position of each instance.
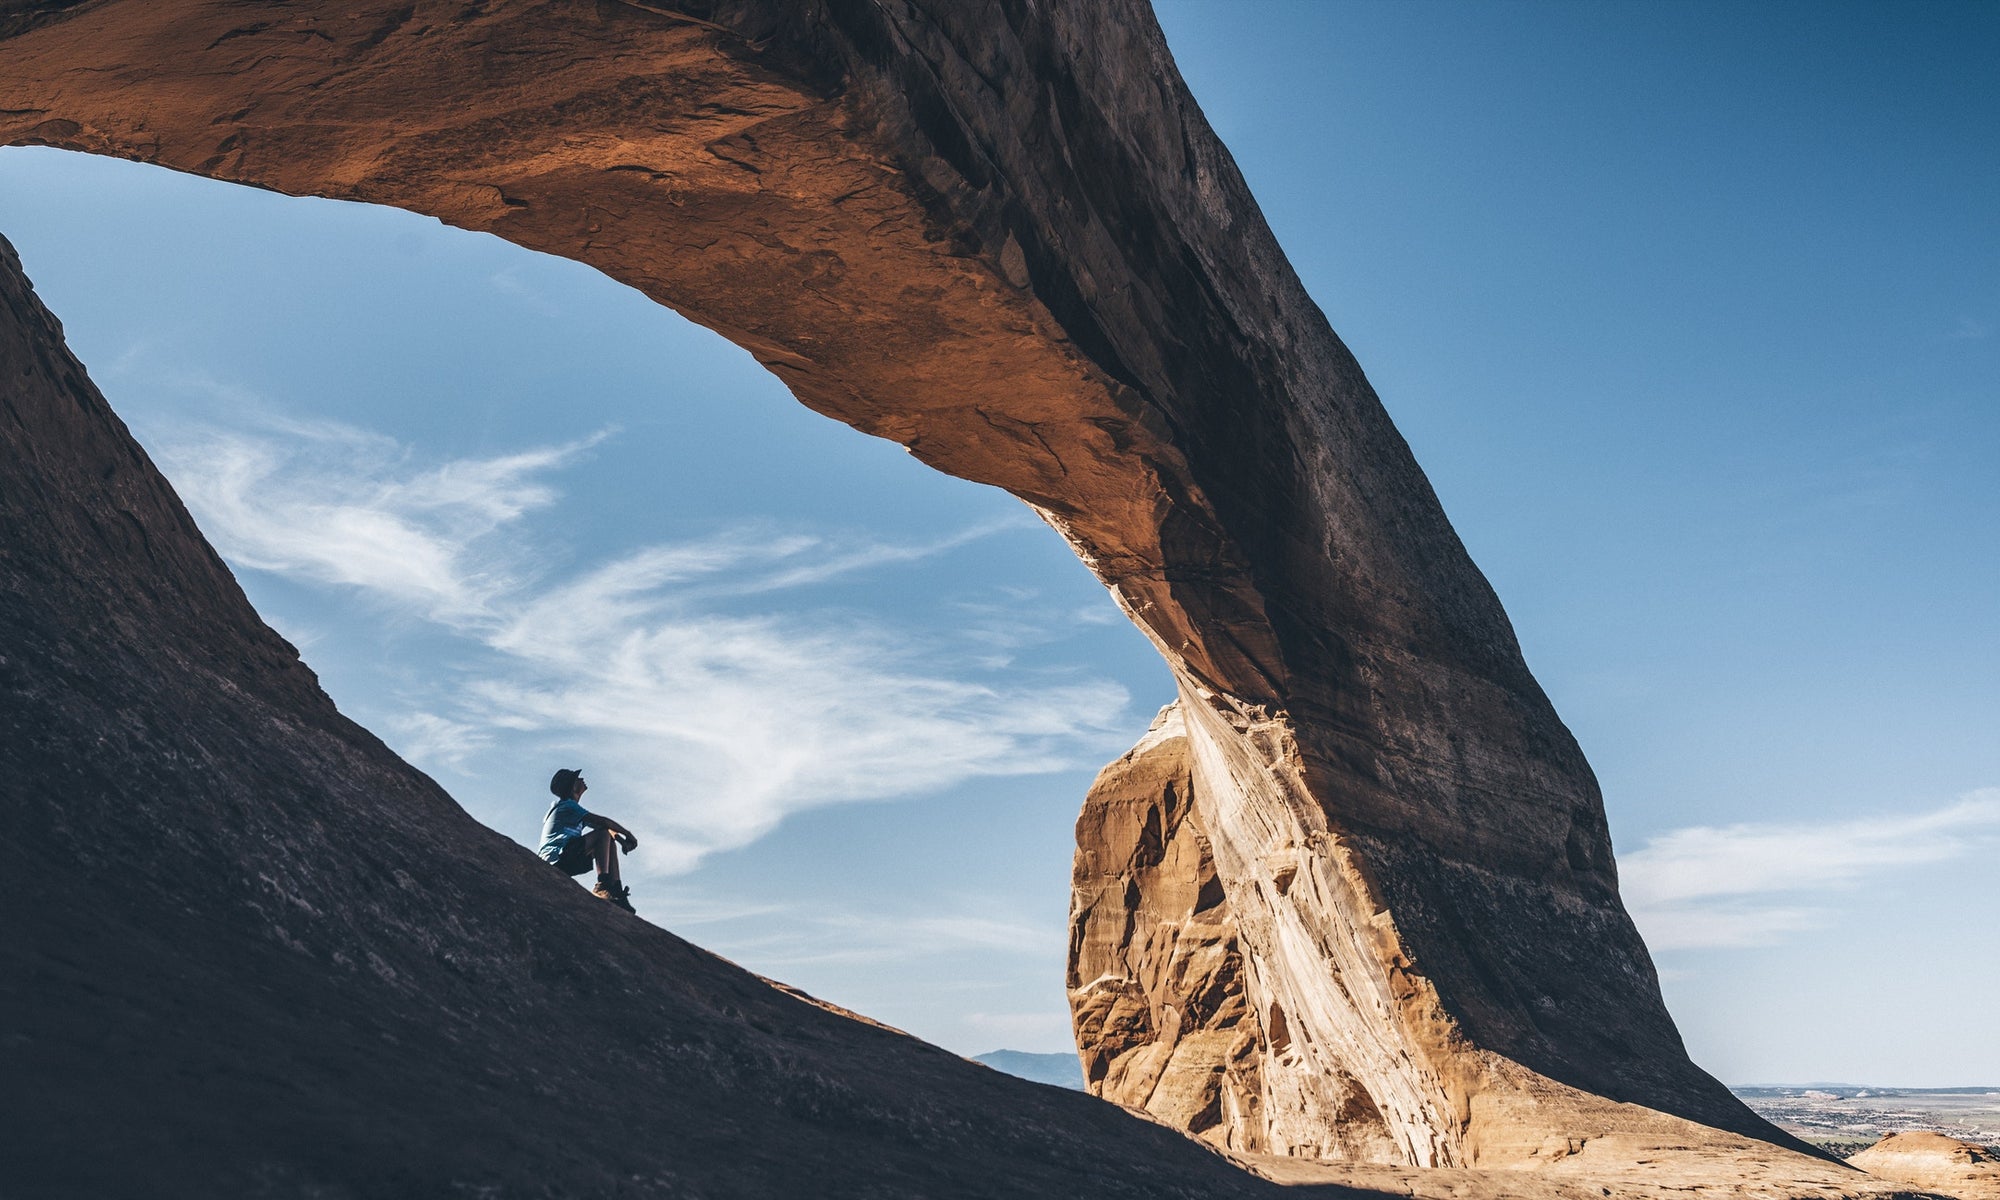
(565, 821)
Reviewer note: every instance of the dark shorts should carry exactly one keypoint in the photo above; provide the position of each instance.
(575, 858)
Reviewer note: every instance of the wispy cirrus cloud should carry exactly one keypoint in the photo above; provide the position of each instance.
(742, 718)
(1754, 884)
(333, 504)
(427, 737)
(696, 673)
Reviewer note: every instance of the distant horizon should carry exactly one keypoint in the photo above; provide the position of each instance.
(1969, 1089)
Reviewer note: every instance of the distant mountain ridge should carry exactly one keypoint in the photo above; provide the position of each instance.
(1060, 1070)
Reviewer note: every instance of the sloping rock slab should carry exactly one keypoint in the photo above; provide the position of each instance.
(250, 953)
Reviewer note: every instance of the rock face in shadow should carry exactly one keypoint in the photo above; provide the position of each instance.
(250, 953)
(1002, 234)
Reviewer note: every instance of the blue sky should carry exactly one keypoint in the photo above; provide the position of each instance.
(1691, 312)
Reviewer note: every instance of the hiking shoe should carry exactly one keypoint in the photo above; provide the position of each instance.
(616, 893)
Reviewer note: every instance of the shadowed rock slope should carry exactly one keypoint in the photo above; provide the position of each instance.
(248, 952)
(1002, 234)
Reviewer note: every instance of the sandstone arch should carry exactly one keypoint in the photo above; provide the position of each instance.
(1002, 235)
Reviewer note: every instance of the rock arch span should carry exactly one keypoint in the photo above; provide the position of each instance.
(1001, 234)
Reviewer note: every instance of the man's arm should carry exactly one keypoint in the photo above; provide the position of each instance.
(599, 821)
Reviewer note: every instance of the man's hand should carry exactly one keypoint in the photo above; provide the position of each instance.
(627, 840)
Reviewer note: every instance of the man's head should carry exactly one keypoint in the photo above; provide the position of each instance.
(567, 784)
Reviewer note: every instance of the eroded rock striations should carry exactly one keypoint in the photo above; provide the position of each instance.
(1168, 1016)
(1155, 970)
(1000, 233)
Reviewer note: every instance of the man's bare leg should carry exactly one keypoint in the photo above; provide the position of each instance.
(603, 852)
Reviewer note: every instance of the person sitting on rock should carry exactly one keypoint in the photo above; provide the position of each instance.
(575, 839)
